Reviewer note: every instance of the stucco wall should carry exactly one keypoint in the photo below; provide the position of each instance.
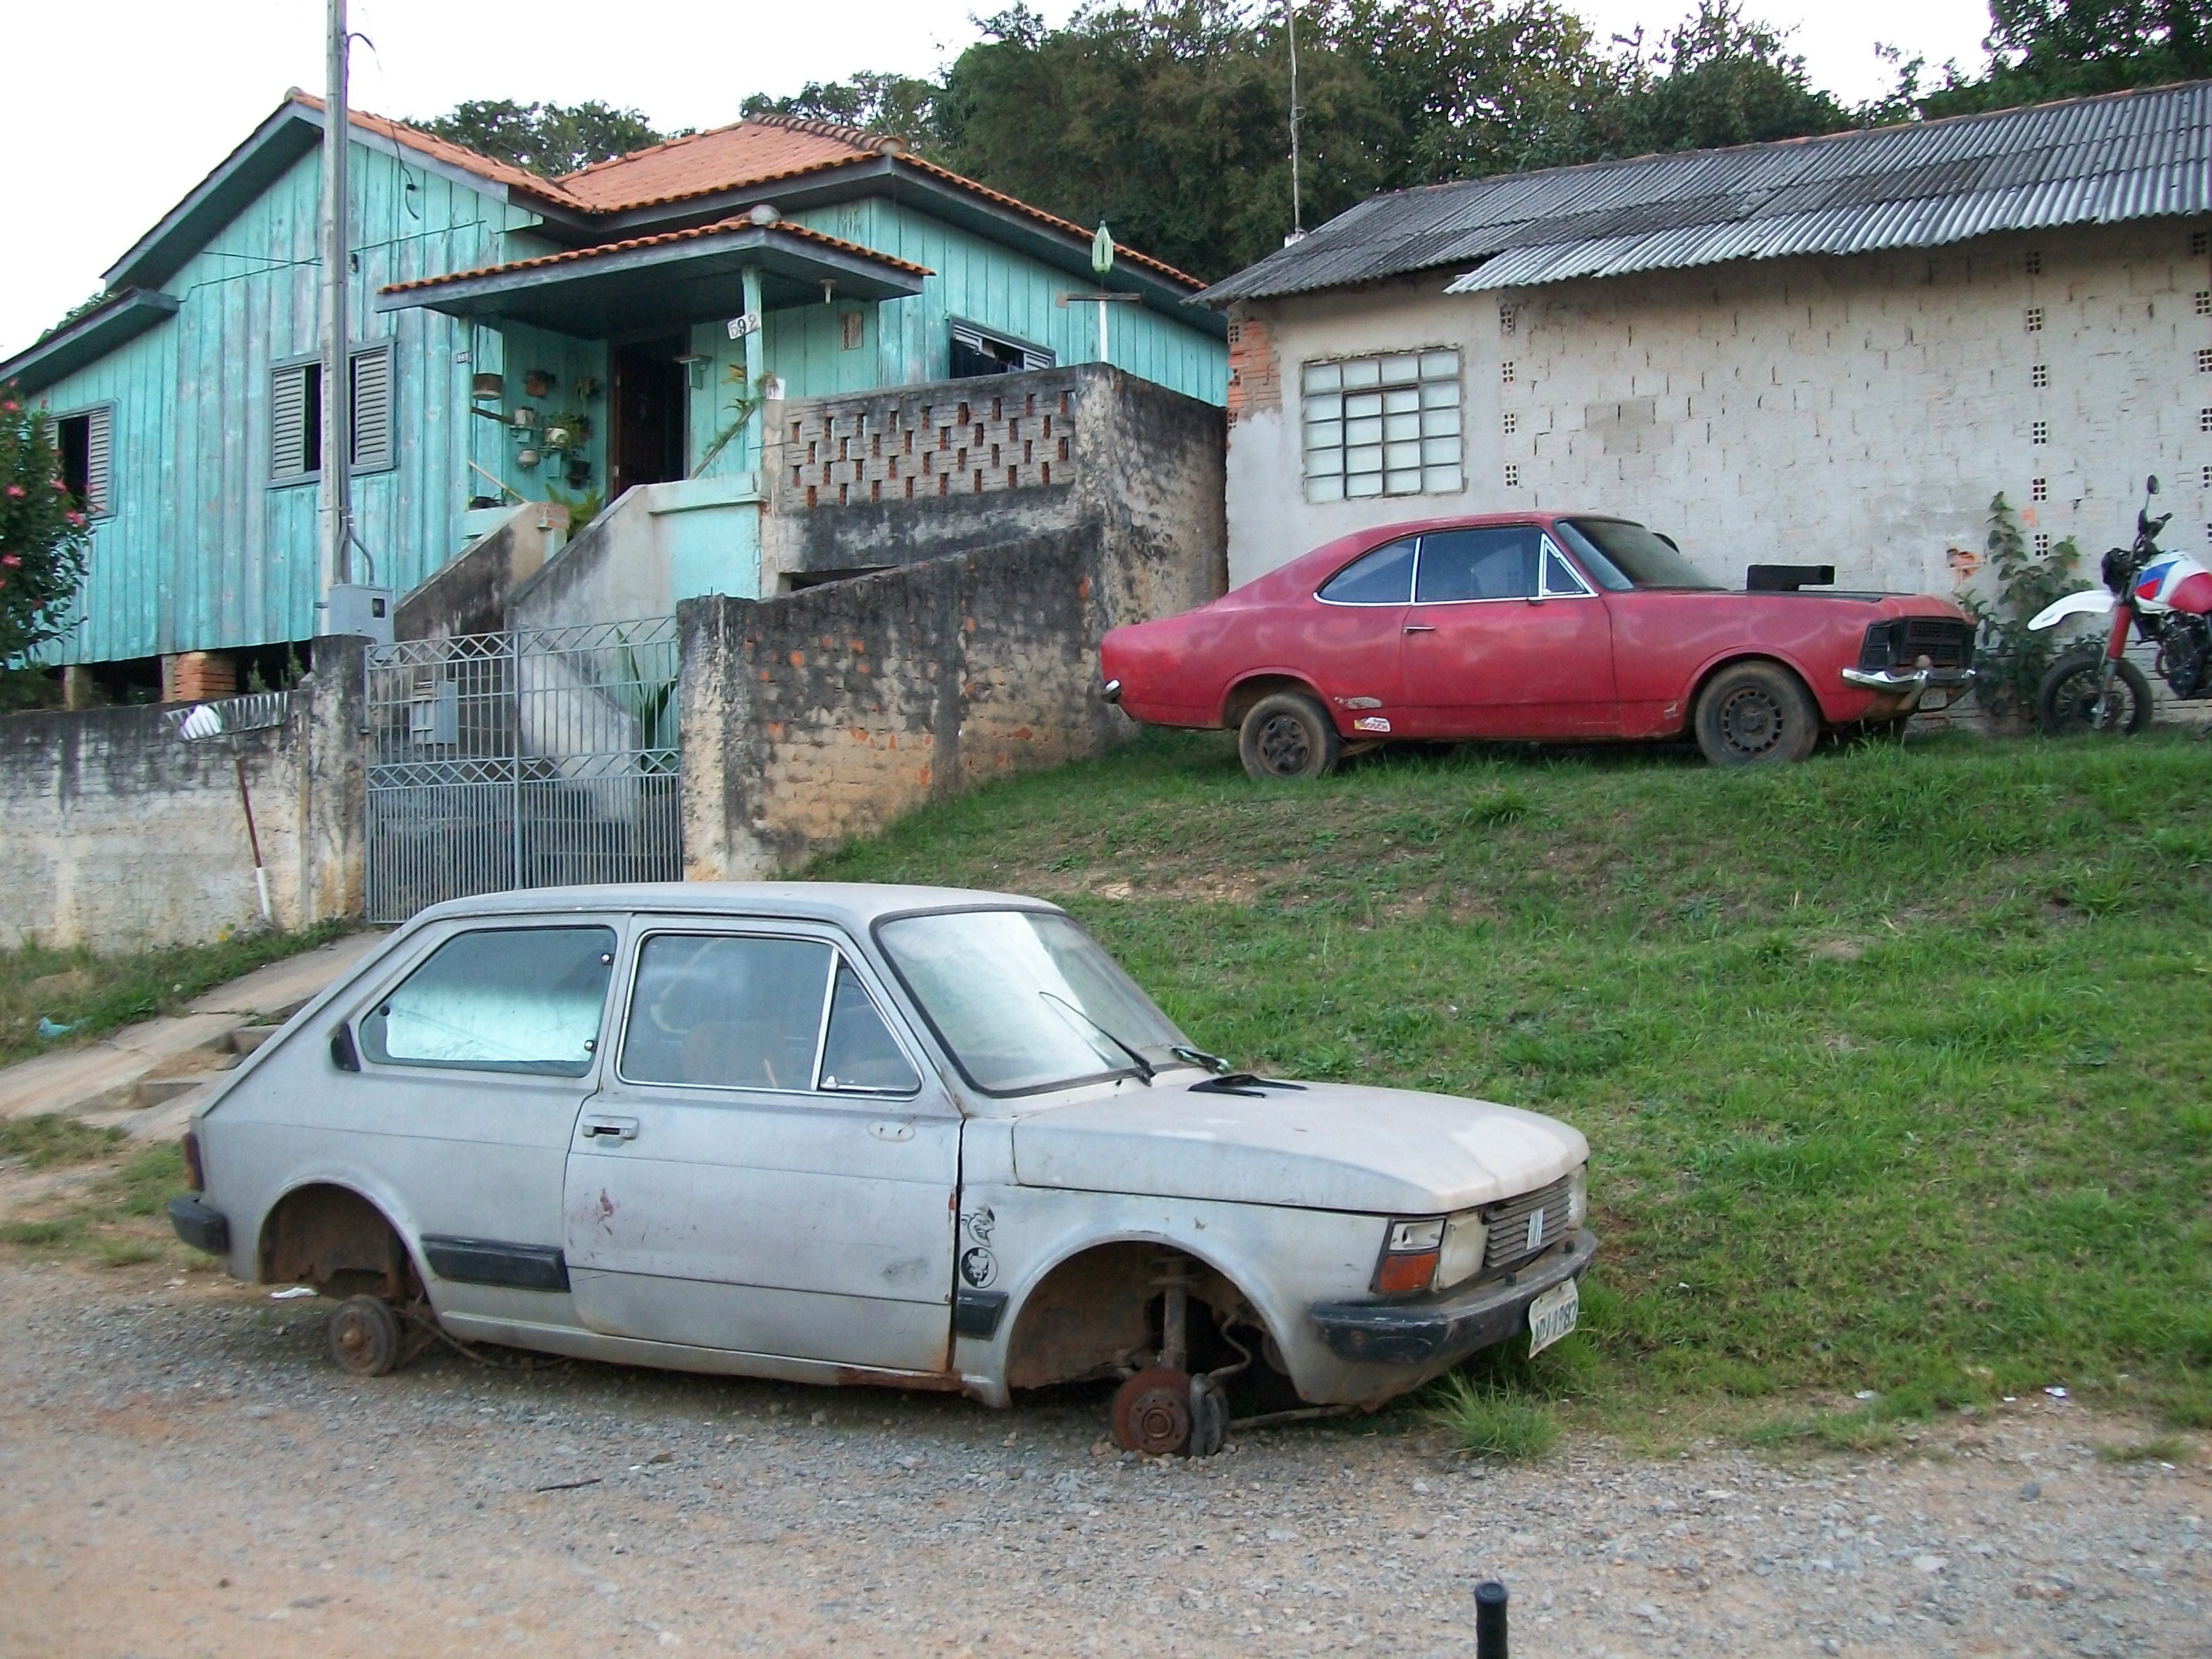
(122, 834)
(1856, 412)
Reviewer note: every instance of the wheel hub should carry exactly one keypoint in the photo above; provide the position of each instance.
(1151, 1411)
(1750, 721)
(1284, 746)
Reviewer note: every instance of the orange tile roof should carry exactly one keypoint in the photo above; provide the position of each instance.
(737, 222)
(399, 132)
(746, 152)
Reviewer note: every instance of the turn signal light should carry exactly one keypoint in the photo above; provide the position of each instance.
(1410, 1250)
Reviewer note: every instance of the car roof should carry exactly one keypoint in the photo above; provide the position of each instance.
(854, 905)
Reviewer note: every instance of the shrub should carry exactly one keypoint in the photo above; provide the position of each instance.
(44, 532)
(2011, 660)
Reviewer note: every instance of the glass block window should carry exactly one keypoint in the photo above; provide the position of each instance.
(2200, 242)
(2040, 376)
(1383, 426)
(2035, 320)
(1512, 476)
(2039, 433)
(2039, 490)
(1512, 422)
(2035, 262)
(2042, 544)
(2204, 301)
(2204, 359)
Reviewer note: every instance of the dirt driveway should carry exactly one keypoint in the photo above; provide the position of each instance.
(181, 1473)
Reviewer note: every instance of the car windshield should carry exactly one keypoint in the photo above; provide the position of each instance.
(1024, 999)
(1622, 556)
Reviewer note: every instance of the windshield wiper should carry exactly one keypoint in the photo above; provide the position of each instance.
(1243, 1083)
(1145, 1069)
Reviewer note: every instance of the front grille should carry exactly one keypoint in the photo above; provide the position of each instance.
(1508, 1220)
(1945, 643)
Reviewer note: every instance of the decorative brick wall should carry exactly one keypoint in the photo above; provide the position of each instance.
(814, 715)
(1256, 380)
(964, 438)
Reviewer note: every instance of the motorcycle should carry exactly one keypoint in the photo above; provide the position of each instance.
(2165, 597)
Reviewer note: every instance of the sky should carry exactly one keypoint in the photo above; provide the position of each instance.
(140, 99)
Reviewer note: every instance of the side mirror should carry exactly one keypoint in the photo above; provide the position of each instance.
(1668, 539)
(2150, 484)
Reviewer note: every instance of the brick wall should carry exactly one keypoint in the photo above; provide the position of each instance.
(121, 835)
(1255, 376)
(810, 716)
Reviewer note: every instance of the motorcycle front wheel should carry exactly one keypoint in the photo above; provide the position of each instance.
(2068, 702)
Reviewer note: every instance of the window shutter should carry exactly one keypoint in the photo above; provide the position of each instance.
(287, 422)
(372, 408)
(99, 436)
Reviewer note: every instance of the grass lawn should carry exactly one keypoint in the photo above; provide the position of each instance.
(94, 994)
(1896, 1067)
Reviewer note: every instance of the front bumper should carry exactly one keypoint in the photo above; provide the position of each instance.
(1911, 684)
(200, 1224)
(1440, 1331)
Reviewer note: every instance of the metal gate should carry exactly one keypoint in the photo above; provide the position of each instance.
(534, 758)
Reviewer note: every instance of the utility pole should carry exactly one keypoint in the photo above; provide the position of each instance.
(1297, 207)
(338, 378)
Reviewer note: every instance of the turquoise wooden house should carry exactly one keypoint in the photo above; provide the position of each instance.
(519, 338)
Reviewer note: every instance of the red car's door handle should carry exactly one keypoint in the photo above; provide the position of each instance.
(1419, 628)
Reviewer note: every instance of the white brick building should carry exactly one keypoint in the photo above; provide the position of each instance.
(1830, 350)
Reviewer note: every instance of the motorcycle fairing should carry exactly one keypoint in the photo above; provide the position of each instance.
(2089, 602)
(2174, 581)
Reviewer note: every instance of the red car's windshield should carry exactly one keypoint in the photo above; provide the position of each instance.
(1621, 556)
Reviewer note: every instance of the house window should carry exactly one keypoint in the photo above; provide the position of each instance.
(979, 351)
(1383, 426)
(86, 439)
(295, 415)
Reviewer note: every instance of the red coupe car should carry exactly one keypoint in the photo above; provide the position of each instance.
(1531, 627)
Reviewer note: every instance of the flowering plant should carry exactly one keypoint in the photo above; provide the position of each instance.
(45, 535)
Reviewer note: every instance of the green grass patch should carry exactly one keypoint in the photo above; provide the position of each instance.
(1894, 1065)
(1492, 1421)
(2160, 1449)
(49, 1139)
(94, 994)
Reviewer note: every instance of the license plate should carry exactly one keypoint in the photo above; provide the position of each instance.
(1552, 1315)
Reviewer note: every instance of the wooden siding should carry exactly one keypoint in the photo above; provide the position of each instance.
(201, 551)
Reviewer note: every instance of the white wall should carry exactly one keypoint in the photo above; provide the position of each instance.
(1856, 411)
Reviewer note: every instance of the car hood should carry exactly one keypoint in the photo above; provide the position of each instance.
(1324, 1146)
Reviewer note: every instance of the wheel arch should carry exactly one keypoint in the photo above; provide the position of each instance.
(1055, 1330)
(326, 1232)
(1243, 693)
(1737, 658)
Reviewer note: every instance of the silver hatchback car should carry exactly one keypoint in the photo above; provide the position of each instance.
(912, 1136)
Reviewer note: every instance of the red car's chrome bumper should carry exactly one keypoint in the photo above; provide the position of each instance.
(1913, 683)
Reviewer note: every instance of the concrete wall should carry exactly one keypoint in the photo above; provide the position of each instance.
(469, 596)
(1857, 412)
(658, 544)
(815, 716)
(122, 834)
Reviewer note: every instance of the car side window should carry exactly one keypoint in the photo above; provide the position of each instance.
(726, 1010)
(1496, 563)
(1560, 580)
(1384, 576)
(525, 999)
(859, 1054)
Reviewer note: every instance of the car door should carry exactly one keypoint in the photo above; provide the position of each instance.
(1347, 634)
(767, 1168)
(475, 1055)
(1504, 639)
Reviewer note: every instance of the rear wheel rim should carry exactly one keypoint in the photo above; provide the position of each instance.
(1285, 745)
(1751, 722)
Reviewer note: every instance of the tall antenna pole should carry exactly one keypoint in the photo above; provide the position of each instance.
(1297, 206)
(338, 379)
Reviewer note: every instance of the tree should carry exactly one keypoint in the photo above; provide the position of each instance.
(2041, 49)
(546, 139)
(893, 105)
(43, 533)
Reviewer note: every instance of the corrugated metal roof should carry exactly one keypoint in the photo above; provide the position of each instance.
(2088, 160)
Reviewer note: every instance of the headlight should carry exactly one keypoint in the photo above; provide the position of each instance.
(1577, 1196)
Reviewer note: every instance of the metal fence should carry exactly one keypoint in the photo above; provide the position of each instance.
(534, 758)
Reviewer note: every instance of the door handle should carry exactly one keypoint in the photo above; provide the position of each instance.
(610, 1128)
(1419, 628)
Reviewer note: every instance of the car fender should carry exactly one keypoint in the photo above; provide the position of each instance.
(2089, 602)
(1295, 678)
(374, 1193)
(1682, 713)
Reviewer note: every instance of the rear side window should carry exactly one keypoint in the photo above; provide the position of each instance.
(1383, 577)
(523, 1000)
(1479, 564)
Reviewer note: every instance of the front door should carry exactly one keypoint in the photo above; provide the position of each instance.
(650, 392)
(1505, 639)
(766, 1169)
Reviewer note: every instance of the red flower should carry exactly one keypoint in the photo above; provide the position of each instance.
(60, 489)
(9, 560)
(76, 519)
(12, 408)
(17, 492)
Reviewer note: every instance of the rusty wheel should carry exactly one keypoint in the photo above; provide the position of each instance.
(1151, 1411)
(364, 1337)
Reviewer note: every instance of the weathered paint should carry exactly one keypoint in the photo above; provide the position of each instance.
(201, 552)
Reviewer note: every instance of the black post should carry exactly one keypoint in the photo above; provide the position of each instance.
(1489, 1619)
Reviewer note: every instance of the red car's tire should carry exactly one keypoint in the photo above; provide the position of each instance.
(1288, 736)
(1756, 713)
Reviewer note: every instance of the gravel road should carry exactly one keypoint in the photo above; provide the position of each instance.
(181, 1473)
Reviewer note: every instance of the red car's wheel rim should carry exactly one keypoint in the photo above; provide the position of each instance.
(1752, 720)
(1285, 745)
